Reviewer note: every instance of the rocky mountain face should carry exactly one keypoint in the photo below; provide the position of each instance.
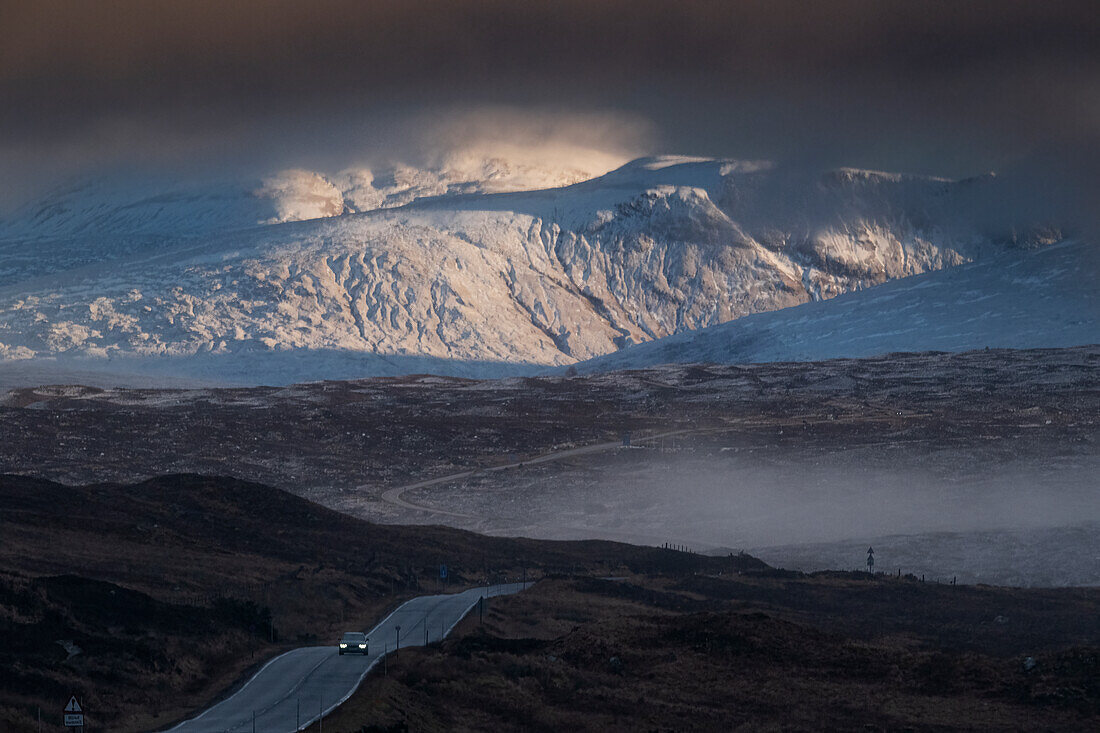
(305, 276)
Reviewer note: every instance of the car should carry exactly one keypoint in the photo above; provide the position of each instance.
(354, 642)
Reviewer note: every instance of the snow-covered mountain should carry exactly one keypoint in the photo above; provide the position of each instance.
(458, 270)
(111, 218)
(1035, 299)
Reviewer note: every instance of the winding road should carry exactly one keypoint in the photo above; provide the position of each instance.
(394, 495)
(298, 687)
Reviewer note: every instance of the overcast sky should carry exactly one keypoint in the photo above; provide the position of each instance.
(952, 87)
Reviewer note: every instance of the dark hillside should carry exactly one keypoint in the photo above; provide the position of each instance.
(172, 587)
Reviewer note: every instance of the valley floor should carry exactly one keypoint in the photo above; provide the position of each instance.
(979, 465)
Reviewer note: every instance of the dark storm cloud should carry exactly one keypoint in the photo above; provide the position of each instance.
(947, 87)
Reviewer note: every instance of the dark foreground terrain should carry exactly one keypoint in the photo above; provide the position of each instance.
(148, 600)
(756, 651)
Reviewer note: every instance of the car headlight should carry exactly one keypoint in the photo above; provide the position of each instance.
(343, 646)
(362, 646)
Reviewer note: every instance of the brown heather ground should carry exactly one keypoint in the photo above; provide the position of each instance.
(788, 652)
(343, 443)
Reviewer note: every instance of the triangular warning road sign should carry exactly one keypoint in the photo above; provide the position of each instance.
(73, 706)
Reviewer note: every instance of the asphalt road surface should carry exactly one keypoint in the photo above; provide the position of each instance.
(296, 688)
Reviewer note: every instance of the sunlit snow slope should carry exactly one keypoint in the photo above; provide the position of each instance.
(305, 276)
(1036, 299)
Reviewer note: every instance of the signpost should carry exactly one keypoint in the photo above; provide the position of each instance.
(74, 714)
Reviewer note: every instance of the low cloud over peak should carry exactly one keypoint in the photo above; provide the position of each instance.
(930, 87)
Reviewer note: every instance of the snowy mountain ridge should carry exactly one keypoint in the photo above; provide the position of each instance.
(1045, 298)
(458, 274)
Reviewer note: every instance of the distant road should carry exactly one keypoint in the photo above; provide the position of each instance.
(393, 496)
(296, 688)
